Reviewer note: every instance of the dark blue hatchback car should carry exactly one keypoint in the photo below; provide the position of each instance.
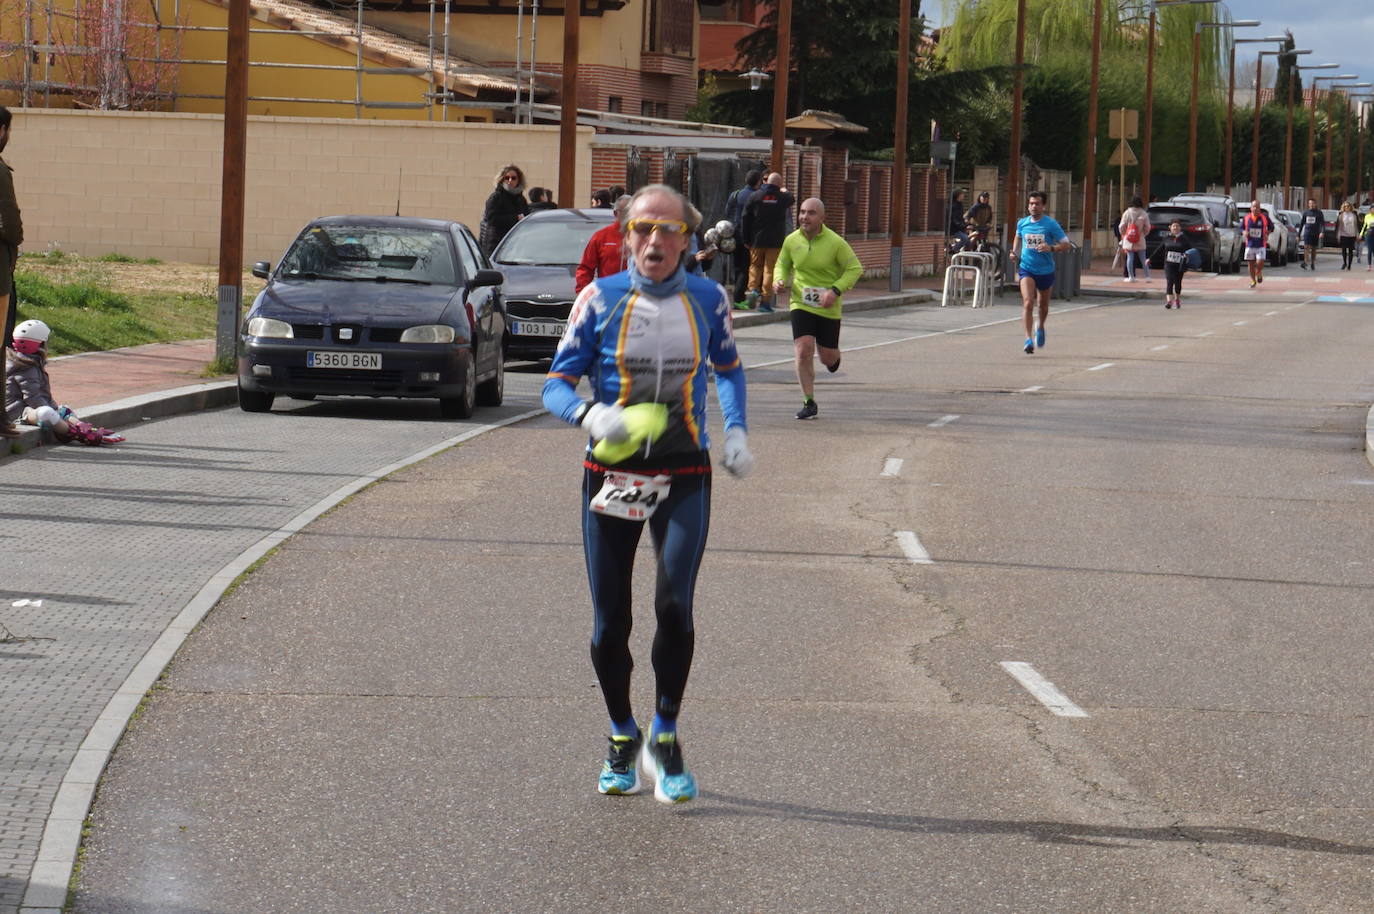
(377, 306)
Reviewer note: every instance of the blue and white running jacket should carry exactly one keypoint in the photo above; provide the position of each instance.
(638, 341)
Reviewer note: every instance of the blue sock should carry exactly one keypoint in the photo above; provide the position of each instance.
(625, 728)
(663, 725)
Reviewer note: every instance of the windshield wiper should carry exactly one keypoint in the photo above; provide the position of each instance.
(310, 274)
(418, 282)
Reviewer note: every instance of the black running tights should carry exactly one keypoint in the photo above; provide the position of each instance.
(678, 528)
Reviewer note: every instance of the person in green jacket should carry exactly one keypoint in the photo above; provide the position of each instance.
(820, 266)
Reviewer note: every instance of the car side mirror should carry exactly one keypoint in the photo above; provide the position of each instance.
(262, 268)
(487, 278)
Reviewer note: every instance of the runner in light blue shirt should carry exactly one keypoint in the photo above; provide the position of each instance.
(1037, 238)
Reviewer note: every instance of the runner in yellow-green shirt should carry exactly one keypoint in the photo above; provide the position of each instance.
(820, 266)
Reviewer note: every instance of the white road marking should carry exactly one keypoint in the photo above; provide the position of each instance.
(1043, 690)
(942, 421)
(1031, 390)
(1270, 313)
(1208, 333)
(892, 466)
(1239, 323)
(22, 603)
(911, 546)
(926, 336)
(1158, 348)
(1102, 366)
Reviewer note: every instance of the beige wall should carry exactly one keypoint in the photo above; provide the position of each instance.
(148, 184)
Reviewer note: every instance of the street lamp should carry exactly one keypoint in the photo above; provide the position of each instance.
(756, 78)
(1192, 108)
(1150, 87)
(1345, 159)
(1288, 137)
(1231, 92)
(1254, 136)
(1359, 129)
(1312, 126)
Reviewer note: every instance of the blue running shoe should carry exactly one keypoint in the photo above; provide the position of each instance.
(1040, 338)
(1030, 345)
(620, 771)
(662, 758)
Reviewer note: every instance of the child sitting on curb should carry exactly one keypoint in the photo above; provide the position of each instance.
(28, 393)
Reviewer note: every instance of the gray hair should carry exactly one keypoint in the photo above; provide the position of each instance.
(690, 214)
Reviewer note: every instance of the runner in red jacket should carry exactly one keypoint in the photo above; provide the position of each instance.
(605, 251)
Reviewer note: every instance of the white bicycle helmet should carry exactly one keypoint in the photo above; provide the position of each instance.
(30, 336)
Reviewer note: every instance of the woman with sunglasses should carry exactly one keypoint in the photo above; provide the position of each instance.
(505, 207)
(643, 338)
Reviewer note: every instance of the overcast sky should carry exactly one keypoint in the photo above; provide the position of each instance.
(1337, 31)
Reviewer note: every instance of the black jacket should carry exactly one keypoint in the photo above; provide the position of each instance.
(499, 216)
(765, 218)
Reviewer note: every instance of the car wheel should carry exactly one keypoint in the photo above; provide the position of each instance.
(493, 390)
(255, 401)
(461, 406)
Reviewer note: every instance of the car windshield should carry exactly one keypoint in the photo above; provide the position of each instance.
(547, 242)
(1215, 208)
(1163, 215)
(371, 252)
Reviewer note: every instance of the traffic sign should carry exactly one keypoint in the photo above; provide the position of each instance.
(1123, 124)
(1123, 155)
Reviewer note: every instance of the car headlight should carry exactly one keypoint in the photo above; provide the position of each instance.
(270, 329)
(428, 333)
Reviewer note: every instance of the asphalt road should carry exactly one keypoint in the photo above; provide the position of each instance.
(1166, 515)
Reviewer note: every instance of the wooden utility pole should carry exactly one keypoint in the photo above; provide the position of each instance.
(899, 147)
(784, 62)
(567, 124)
(1149, 106)
(1090, 170)
(1014, 172)
(232, 182)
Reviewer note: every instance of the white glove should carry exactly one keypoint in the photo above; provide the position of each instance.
(736, 457)
(606, 422)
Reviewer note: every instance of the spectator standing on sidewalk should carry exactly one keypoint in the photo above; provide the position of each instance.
(11, 236)
(1313, 225)
(1347, 233)
(820, 266)
(734, 213)
(505, 207)
(765, 226)
(1367, 231)
(540, 199)
(1134, 226)
(28, 392)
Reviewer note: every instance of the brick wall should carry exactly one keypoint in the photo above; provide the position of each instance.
(148, 184)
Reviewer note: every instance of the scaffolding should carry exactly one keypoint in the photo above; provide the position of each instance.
(127, 55)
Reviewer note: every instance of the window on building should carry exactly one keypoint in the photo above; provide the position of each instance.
(669, 26)
(646, 109)
(614, 104)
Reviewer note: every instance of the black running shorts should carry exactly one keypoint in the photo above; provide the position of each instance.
(826, 330)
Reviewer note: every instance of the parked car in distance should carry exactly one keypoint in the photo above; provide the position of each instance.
(1329, 232)
(1197, 226)
(1221, 209)
(538, 258)
(1290, 221)
(376, 306)
(1278, 238)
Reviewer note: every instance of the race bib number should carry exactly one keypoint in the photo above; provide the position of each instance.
(1034, 241)
(1311, 220)
(811, 296)
(1256, 232)
(1174, 256)
(631, 496)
